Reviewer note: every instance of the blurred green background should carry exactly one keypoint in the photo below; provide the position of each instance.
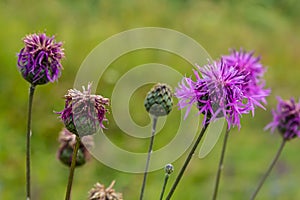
(269, 27)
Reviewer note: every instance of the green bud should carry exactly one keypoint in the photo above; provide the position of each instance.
(159, 100)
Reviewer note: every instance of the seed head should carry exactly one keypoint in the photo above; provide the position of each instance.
(99, 192)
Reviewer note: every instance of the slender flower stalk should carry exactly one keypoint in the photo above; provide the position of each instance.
(262, 181)
(169, 169)
(164, 187)
(72, 169)
(158, 102)
(39, 62)
(148, 157)
(286, 119)
(220, 168)
(187, 161)
(226, 88)
(28, 143)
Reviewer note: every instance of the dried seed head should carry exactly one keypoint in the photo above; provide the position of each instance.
(99, 192)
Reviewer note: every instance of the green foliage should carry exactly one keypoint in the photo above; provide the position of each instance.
(268, 27)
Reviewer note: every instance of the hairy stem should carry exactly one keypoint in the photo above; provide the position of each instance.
(269, 169)
(188, 159)
(28, 143)
(149, 156)
(72, 169)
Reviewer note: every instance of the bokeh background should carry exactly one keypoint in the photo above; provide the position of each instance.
(270, 27)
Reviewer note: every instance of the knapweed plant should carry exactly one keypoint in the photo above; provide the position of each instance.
(83, 115)
(39, 62)
(228, 88)
(286, 119)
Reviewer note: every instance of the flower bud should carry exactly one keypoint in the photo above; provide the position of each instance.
(169, 169)
(159, 101)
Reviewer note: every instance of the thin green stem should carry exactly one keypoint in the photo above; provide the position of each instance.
(149, 156)
(269, 169)
(72, 169)
(164, 186)
(28, 142)
(220, 168)
(188, 159)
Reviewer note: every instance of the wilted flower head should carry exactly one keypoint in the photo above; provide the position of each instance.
(286, 118)
(250, 65)
(99, 192)
(219, 92)
(67, 142)
(40, 60)
(159, 101)
(84, 112)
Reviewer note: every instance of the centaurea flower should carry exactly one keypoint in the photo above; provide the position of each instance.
(286, 118)
(219, 92)
(84, 112)
(40, 60)
(251, 65)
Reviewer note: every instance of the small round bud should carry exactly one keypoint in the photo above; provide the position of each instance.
(169, 169)
(159, 101)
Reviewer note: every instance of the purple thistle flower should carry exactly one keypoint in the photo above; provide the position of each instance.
(218, 93)
(84, 112)
(254, 87)
(40, 60)
(286, 118)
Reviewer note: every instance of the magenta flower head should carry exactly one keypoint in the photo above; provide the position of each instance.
(40, 60)
(84, 112)
(250, 65)
(218, 93)
(286, 118)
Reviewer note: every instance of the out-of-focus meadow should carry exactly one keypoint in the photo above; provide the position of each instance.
(269, 27)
